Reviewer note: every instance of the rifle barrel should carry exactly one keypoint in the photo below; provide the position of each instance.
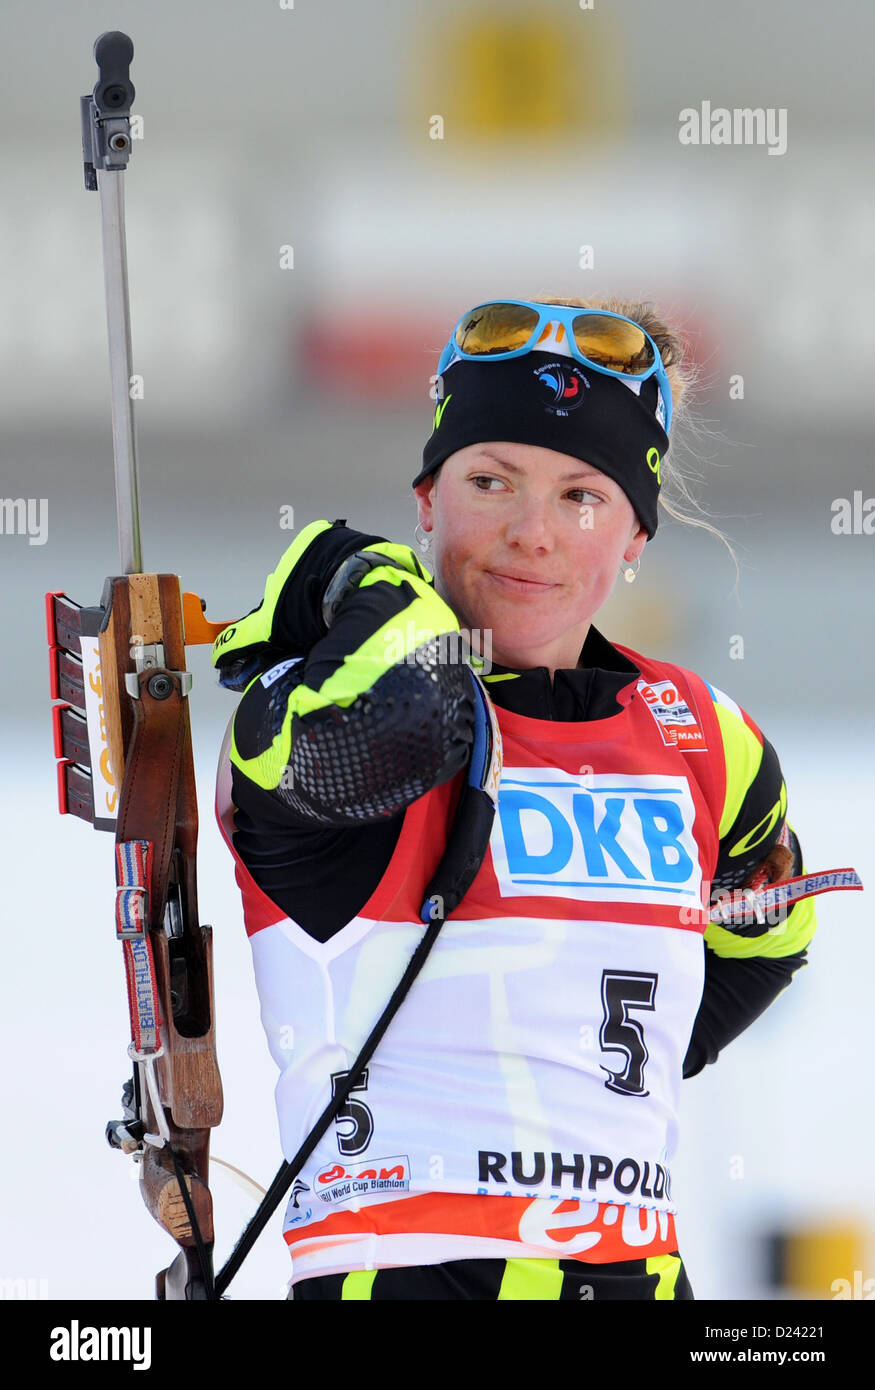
(118, 323)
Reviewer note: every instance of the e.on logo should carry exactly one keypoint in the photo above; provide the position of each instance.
(660, 693)
(677, 722)
(338, 1173)
(621, 837)
(341, 1181)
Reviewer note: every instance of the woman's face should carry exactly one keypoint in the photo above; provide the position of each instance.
(527, 543)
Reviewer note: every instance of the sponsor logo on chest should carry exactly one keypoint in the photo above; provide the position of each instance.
(603, 836)
(676, 720)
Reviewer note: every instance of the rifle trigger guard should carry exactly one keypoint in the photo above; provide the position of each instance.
(148, 1060)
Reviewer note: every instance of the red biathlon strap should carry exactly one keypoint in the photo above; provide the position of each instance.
(133, 867)
(756, 904)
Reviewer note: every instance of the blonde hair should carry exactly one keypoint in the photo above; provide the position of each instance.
(684, 377)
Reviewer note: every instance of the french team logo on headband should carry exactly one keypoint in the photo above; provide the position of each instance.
(563, 387)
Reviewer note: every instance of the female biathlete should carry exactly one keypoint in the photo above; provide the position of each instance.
(513, 1134)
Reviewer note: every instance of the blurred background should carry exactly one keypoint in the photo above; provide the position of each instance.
(318, 193)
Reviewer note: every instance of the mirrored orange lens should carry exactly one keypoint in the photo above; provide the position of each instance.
(496, 328)
(613, 343)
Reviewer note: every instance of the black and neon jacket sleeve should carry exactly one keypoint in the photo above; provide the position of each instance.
(746, 969)
(347, 725)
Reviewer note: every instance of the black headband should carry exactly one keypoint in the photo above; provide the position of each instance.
(557, 403)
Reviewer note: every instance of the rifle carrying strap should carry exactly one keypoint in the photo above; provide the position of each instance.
(133, 859)
(145, 836)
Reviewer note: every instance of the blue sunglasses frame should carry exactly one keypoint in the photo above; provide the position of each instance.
(564, 314)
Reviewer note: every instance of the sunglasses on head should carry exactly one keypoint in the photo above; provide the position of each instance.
(605, 341)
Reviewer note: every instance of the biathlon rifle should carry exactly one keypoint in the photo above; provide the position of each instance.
(123, 738)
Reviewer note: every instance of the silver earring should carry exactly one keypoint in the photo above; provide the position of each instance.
(630, 574)
(423, 541)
